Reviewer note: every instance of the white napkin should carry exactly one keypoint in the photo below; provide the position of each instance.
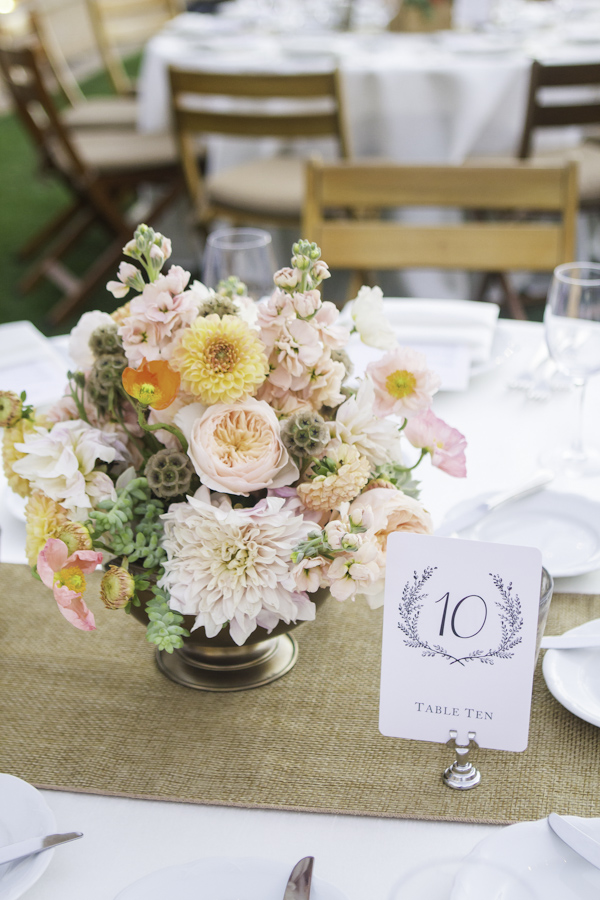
(466, 322)
(29, 362)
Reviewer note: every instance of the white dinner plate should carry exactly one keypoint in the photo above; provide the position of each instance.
(573, 676)
(565, 527)
(538, 858)
(223, 878)
(23, 814)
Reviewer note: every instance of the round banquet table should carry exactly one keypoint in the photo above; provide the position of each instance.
(364, 857)
(435, 98)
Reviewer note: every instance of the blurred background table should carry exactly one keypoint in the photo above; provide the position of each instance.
(424, 98)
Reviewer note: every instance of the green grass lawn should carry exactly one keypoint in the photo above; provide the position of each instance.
(28, 199)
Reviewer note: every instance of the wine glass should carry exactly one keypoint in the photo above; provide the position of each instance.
(572, 323)
(244, 252)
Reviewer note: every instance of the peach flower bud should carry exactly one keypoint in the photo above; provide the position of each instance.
(117, 587)
(321, 270)
(130, 248)
(287, 278)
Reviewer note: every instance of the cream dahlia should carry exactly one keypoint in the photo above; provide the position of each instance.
(233, 566)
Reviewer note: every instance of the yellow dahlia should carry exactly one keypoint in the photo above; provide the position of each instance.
(10, 455)
(220, 359)
(44, 518)
(339, 476)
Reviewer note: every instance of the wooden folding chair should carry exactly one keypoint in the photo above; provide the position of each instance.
(101, 169)
(367, 242)
(124, 25)
(549, 107)
(79, 111)
(287, 107)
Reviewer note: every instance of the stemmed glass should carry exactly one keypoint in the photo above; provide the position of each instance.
(245, 252)
(572, 323)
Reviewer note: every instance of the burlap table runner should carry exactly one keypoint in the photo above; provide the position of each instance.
(90, 712)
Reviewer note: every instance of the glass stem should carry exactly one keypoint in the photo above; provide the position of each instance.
(577, 446)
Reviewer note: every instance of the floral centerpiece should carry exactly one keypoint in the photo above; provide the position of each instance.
(216, 456)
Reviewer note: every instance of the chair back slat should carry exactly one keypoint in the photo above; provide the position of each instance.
(481, 247)
(284, 126)
(542, 114)
(565, 116)
(343, 203)
(469, 187)
(258, 86)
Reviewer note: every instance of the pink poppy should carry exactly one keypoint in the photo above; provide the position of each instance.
(403, 384)
(66, 576)
(446, 444)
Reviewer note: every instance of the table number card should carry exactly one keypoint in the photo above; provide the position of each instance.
(459, 637)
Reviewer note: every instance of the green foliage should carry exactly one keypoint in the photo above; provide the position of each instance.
(400, 477)
(164, 628)
(130, 525)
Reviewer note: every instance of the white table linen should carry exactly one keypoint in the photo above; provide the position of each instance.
(410, 98)
(364, 857)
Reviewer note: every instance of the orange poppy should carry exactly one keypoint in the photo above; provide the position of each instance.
(153, 383)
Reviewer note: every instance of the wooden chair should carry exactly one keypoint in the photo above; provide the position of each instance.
(101, 169)
(286, 107)
(544, 111)
(123, 25)
(493, 246)
(79, 111)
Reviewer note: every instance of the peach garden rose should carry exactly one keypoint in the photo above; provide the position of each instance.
(237, 448)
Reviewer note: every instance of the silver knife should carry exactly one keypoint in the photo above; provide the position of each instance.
(576, 839)
(570, 641)
(298, 886)
(464, 520)
(35, 845)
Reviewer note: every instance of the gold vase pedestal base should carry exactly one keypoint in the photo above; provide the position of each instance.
(224, 669)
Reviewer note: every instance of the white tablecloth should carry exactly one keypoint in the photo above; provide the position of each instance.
(126, 839)
(410, 98)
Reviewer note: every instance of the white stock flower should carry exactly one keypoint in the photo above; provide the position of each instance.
(79, 340)
(355, 423)
(370, 321)
(234, 566)
(61, 463)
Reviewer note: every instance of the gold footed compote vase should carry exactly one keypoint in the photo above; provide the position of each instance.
(218, 664)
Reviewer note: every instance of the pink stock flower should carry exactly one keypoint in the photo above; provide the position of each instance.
(157, 315)
(65, 575)
(446, 444)
(333, 335)
(403, 384)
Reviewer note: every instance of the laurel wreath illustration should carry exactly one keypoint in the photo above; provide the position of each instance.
(509, 611)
